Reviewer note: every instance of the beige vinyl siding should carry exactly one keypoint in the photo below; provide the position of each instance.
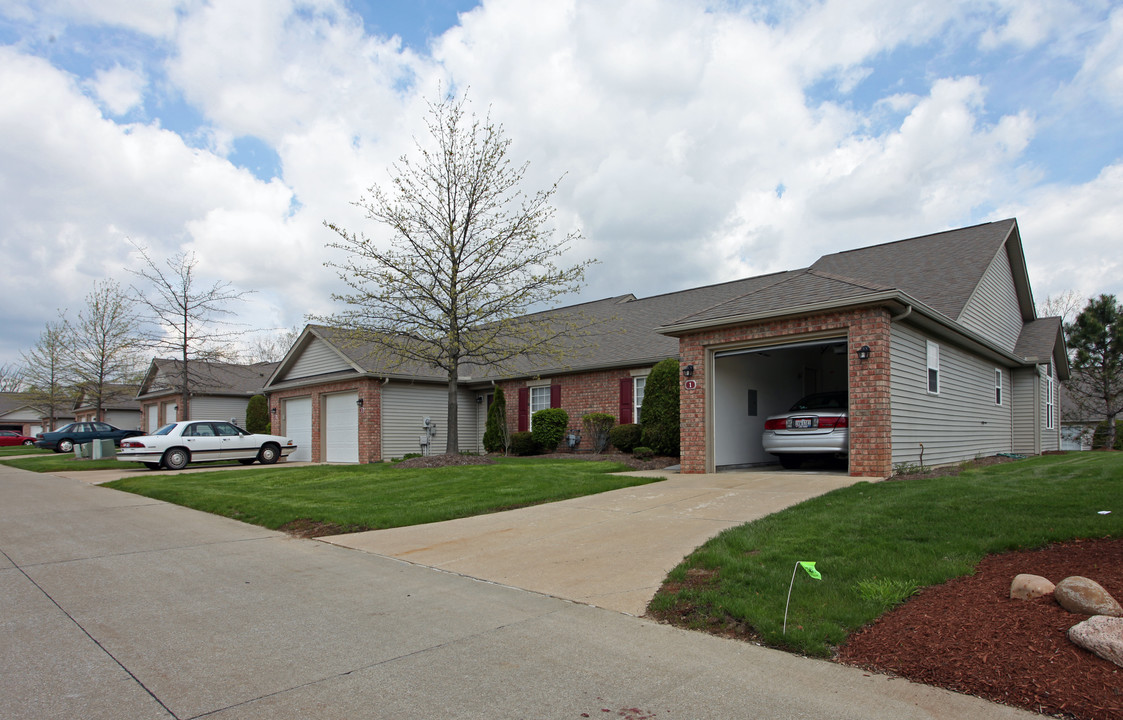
(405, 405)
(212, 407)
(1025, 411)
(960, 422)
(316, 359)
(993, 309)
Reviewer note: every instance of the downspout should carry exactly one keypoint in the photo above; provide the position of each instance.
(1037, 412)
(902, 316)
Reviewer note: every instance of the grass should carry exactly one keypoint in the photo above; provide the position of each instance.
(8, 451)
(64, 462)
(876, 544)
(362, 497)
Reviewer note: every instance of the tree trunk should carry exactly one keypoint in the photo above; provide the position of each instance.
(452, 445)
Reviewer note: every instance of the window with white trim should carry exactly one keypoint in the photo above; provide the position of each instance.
(539, 400)
(1050, 404)
(638, 384)
(933, 367)
(997, 386)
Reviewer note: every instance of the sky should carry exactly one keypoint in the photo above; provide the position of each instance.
(695, 142)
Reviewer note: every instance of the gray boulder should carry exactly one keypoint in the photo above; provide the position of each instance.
(1028, 587)
(1101, 635)
(1087, 597)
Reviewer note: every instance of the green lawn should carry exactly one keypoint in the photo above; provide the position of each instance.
(362, 497)
(21, 450)
(876, 543)
(64, 462)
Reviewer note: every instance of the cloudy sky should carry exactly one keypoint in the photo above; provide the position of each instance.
(700, 141)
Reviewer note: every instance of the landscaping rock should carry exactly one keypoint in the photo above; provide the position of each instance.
(1101, 635)
(1081, 595)
(1028, 587)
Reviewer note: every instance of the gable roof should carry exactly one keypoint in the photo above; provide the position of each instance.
(206, 377)
(1042, 340)
(117, 397)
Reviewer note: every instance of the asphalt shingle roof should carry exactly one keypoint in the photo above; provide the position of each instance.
(210, 377)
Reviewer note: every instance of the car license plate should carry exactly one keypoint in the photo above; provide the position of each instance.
(802, 423)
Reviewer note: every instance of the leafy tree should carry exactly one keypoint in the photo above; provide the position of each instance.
(659, 412)
(496, 434)
(257, 415)
(597, 427)
(47, 374)
(470, 253)
(185, 320)
(102, 351)
(1095, 339)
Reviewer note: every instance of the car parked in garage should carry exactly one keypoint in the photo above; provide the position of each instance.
(816, 425)
(66, 437)
(177, 444)
(9, 438)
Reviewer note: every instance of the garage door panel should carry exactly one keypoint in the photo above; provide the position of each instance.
(341, 428)
(298, 427)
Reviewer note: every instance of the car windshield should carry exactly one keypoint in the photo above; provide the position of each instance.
(165, 430)
(821, 401)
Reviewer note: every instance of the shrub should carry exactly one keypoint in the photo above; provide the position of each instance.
(597, 426)
(548, 428)
(257, 415)
(522, 443)
(625, 437)
(643, 453)
(1099, 437)
(659, 412)
(496, 436)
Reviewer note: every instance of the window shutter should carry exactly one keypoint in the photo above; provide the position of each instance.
(555, 396)
(625, 400)
(524, 409)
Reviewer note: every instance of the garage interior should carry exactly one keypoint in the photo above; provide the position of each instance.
(752, 383)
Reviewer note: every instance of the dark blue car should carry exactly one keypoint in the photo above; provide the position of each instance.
(66, 437)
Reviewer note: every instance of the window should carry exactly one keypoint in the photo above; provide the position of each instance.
(1049, 402)
(933, 368)
(539, 400)
(997, 386)
(637, 395)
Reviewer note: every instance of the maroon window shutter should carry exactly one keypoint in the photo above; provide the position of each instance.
(555, 396)
(625, 400)
(524, 409)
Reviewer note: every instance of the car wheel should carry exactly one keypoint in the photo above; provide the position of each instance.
(790, 462)
(28, 442)
(152, 466)
(268, 454)
(176, 459)
(246, 461)
(65, 445)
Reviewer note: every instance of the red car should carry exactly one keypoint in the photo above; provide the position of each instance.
(9, 437)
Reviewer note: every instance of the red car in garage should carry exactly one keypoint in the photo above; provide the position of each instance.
(11, 437)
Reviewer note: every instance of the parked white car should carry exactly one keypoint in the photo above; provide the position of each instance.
(174, 446)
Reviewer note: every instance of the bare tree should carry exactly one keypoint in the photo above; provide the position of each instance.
(104, 351)
(47, 373)
(11, 378)
(470, 254)
(186, 320)
(1066, 305)
(271, 347)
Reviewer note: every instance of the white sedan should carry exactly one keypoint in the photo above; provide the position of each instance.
(174, 446)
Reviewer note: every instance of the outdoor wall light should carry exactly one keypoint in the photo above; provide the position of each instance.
(273, 410)
(864, 352)
(359, 402)
(688, 371)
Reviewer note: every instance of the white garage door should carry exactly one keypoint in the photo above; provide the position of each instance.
(341, 428)
(298, 427)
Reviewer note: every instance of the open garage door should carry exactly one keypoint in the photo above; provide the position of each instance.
(298, 427)
(754, 382)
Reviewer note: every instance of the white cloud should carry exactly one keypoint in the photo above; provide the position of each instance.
(119, 89)
(1101, 75)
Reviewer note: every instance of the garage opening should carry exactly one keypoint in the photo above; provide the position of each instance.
(752, 383)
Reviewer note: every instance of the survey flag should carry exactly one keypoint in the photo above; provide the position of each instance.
(809, 566)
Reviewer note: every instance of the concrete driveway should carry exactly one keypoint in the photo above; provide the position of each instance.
(119, 607)
(611, 550)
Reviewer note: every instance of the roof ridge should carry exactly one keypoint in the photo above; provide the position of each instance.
(917, 237)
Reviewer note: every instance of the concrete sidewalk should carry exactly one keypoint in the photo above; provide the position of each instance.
(612, 550)
(120, 607)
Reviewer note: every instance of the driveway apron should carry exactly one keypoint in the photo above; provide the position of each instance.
(611, 550)
(120, 607)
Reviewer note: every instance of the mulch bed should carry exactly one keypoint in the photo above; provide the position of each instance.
(448, 459)
(967, 635)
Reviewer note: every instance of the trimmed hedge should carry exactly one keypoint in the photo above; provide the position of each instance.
(548, 428)
(522, 443)
(257, 415)
(625, 437)
(659, 413)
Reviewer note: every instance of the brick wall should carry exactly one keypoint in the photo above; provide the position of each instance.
(370, 414)
(870, 423)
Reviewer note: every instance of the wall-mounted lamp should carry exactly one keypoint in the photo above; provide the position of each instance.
(688, 371)
(864, 352)
(273, 410)
(359, 402)
(479, 399)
